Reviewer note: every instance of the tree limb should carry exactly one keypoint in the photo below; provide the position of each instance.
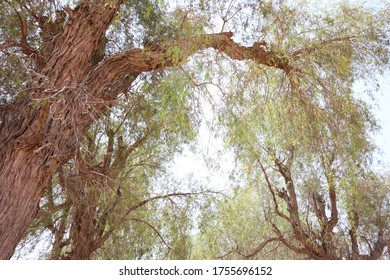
(261, 247)
(136, 61)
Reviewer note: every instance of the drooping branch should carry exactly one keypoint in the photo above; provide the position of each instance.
(131, 209)
(136, 61)
(158, 234)
(42, 131)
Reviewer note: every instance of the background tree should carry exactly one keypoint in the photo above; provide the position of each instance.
(287, 213)
(67, 66)
(235, 227)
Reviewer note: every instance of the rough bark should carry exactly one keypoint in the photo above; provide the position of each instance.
(41, 131)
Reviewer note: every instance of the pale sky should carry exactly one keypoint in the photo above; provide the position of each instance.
(383, 115)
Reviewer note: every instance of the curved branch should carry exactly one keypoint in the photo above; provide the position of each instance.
(133, 208)
(261, 247)
(158, 234)
(157, 57)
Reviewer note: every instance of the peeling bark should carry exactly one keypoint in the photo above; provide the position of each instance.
(39, 133)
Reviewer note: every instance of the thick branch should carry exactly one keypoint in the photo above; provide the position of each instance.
(270, 188)
(354, 220)
(299, 232)
(71, 57)
(334, 217)
(136, 61)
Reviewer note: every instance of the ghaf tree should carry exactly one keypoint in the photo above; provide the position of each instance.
(58, 80)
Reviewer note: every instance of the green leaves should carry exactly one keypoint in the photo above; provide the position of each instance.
(309, 118)
(301, 136)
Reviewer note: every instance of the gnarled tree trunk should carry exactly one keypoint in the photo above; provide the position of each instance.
(40, 132)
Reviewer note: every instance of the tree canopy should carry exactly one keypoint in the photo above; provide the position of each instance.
(98, 96)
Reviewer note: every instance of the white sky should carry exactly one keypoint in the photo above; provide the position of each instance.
(383, 114)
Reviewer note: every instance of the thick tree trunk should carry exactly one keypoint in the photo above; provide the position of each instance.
(41, 132)
(23, 180)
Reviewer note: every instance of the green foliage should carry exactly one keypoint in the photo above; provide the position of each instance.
(233, 227)
(309, 118)
(305, 115)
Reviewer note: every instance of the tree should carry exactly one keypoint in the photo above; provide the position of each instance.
(284, 213)
(66, 66)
